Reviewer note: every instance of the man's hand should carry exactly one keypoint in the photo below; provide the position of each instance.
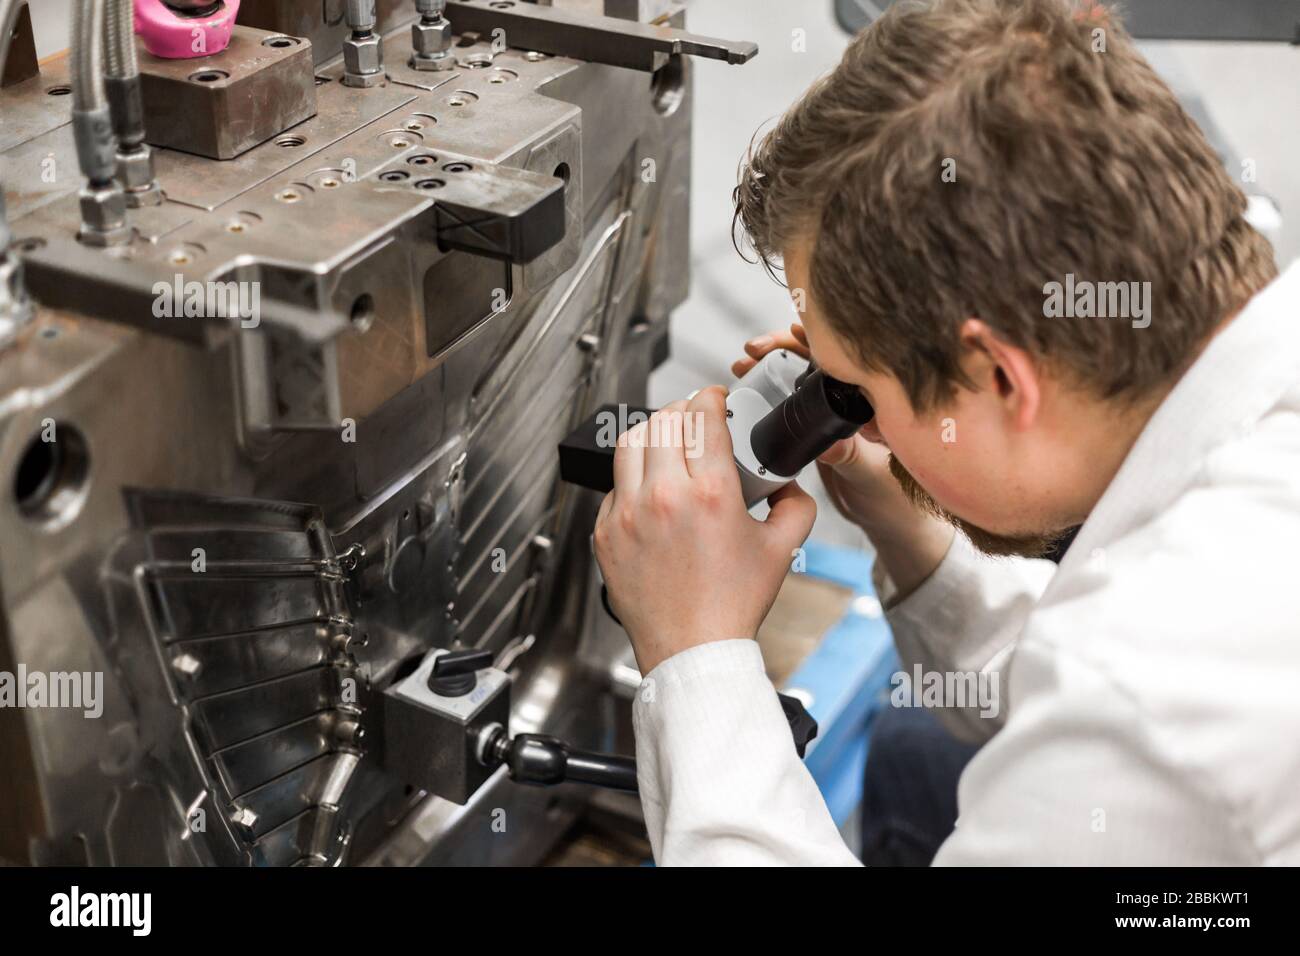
(909, 542)
(854, 470)
(683, 560)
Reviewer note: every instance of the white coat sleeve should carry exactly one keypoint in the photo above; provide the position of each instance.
(719, 778)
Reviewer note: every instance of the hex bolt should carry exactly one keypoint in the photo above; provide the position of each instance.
(103, 215)
(244, 818)
(363, 50)
(135, 173)
(431, 38)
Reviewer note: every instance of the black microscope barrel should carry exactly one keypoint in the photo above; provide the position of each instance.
(820, 412)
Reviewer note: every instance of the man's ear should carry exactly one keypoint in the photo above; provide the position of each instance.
(1006, 369)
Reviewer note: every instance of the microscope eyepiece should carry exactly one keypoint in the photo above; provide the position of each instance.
(819, 412)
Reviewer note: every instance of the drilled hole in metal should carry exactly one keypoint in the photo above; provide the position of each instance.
(51, 476)
(668, 86)
(363, 311)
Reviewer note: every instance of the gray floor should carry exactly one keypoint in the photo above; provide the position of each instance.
(1250, 92)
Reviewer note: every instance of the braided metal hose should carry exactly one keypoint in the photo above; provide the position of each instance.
(122, 76)
(121, 56)
(92, 123)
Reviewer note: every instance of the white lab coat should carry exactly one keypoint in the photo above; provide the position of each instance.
(1150, 686)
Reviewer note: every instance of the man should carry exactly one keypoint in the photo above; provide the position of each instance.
(957, 209)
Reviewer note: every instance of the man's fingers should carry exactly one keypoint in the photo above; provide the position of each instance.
(795, 340)
(741, 366)
(629, 460)
(665, 458)
(757, 348)
(792, 515)
(708, 440)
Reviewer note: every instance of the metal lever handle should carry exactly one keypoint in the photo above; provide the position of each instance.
(610, 40)
(544, 761)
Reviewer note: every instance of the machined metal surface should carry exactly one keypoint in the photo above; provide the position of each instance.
(250, 519)
(223, 105)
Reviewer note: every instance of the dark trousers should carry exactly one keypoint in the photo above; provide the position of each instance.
(909, 796)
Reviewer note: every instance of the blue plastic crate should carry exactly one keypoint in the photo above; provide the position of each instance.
(846, 677)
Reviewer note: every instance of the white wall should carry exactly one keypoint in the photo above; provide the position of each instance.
(52, 22)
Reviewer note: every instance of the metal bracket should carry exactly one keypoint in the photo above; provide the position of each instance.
(21, 63)
(57, 270)
(510, 214)
(223, 105)
(637, 46)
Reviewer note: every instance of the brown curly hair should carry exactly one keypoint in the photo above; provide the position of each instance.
(1067, 155)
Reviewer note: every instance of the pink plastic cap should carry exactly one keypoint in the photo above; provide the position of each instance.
(168, 34)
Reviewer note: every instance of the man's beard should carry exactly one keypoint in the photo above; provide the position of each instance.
(1028, 546)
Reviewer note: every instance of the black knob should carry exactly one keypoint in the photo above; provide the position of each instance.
(802, 727)
(453, 672)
